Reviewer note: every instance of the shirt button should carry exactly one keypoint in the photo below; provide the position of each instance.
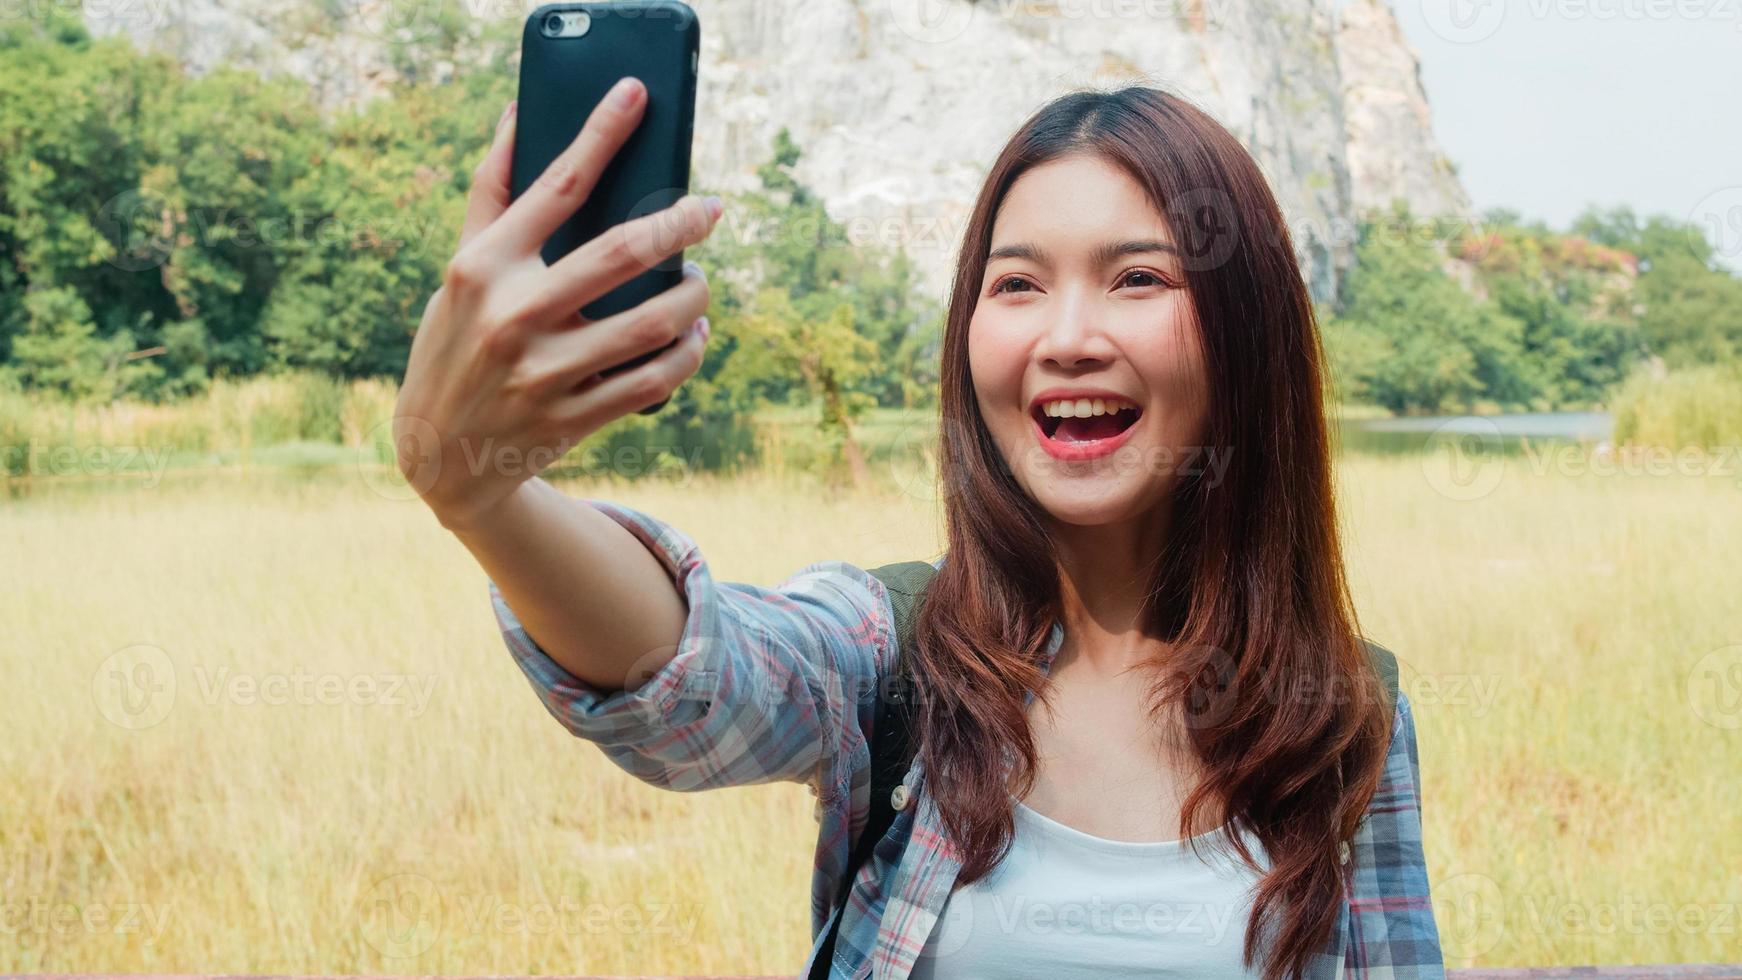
(898, 796)
(1343, 852)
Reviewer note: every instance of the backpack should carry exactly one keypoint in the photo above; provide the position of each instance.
(891, 738)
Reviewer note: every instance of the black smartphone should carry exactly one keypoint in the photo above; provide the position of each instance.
(571, 54)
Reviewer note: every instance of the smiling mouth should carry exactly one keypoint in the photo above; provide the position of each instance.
(1094, 428)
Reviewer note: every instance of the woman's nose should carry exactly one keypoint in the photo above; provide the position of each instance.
(1072, 335)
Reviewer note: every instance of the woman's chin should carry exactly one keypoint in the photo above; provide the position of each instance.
(1087, 502)
(1086, 492)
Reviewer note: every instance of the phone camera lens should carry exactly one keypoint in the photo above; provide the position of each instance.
(553, 24)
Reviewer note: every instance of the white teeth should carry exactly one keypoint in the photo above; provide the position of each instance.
(1084, 407)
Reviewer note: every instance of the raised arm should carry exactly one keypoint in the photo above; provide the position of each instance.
(766, 683)
(596, 601)
(614, 617)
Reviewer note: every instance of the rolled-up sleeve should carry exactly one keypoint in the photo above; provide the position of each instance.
(1393, 917)
(766, 684)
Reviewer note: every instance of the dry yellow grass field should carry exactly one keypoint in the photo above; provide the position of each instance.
(268, 725)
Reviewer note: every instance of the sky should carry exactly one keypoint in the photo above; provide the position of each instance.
(1547, 106)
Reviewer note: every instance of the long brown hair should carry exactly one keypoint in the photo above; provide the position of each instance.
(1281, 706)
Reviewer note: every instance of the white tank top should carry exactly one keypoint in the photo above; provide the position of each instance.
(1065, 904)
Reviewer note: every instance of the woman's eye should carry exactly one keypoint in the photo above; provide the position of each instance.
(999, 286)
(1154, 280)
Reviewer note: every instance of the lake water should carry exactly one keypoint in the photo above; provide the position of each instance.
(1498, 433)
(706, 448)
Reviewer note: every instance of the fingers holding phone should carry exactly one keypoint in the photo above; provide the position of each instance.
(669, 331)
(607, 117)
(489, 194)
(558, 354)
(565, 184)
(504, 368)
(566, 304)
(626, 251)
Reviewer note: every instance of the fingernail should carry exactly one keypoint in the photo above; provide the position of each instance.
(507, 113)
(623, 94)
(714, 205)
(705, 327)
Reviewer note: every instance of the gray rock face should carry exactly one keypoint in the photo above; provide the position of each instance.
(1391, 152)
(900, 106)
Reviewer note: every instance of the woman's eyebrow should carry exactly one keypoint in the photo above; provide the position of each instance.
(1107, 253)
(1102, 255)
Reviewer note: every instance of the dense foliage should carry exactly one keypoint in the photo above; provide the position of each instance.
(161, 229)
(1511, 315)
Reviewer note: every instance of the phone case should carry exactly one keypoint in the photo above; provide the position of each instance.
(563, 78)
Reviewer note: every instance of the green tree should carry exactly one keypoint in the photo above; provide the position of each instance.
(1689, 306)
(1575, 342)
(160, 229)
(803, 315)
(60, 351)
(1409, 337)
(782, 237)
(825, 355)
(70, 122)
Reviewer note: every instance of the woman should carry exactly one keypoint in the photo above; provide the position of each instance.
(1151, 740)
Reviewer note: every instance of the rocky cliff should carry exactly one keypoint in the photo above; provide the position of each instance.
(900, 105)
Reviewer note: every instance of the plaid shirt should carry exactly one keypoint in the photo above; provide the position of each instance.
(779, 684)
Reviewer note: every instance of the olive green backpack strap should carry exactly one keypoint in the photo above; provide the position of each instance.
(892, 745)
(1385, 663)
(906, 581)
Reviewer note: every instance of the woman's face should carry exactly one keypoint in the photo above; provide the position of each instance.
(1083, 297)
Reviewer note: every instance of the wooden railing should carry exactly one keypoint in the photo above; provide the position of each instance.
(1688, 971)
